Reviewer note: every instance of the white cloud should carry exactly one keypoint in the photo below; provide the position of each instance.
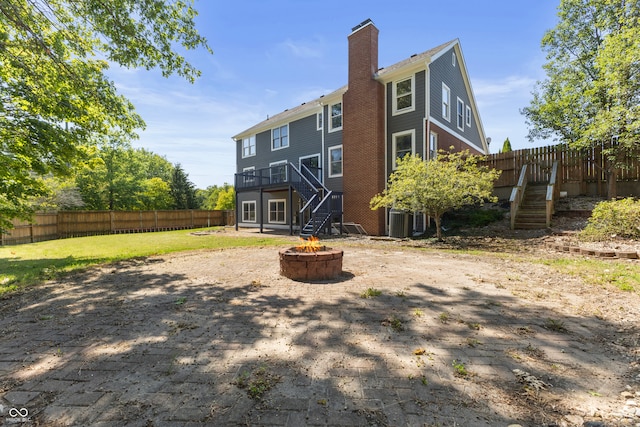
(303, 49)
(509, 86)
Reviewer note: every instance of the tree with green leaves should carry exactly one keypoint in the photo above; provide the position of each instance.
(506, 146)
(182, 190)
(450, 181)
(119, 177)
(208, 198)
(54, 95)
(156, 194)
(591, 95)
(226, 199)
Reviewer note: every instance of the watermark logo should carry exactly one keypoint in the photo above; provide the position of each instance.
(16, 415)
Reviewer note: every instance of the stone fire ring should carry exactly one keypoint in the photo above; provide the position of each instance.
(325, 264)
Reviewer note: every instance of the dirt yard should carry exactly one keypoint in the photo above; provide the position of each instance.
(411, 334)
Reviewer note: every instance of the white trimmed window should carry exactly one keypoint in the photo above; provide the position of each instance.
(249, 146)
(277, 211)
(446, 102)
(312, 163)
(278, 172)
(280, 137)
(404, 96)
(335, 110)
(319, 120)
(453, 59)
(403, 144)
(433, 145)
(335, 161)
(468, 116)
(249, 175)
(460, 113)
(249, 211)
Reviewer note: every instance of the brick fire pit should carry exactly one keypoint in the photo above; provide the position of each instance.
(323, 264)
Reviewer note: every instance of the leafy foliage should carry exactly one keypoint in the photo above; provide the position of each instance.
(226, 200)
(118, 177)
(217, 197)
(54, 95)
(592, 91)
(434, 187)
(614, 218)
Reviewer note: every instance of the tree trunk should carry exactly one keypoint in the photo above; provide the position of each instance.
(438, 228)
(612, 180)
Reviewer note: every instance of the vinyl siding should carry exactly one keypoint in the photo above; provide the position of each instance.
(304, 140)
(266, 196)
(406, 121)
(443, 71)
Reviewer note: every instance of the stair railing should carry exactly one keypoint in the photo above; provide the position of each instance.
(517, 194)
(321, 203)
(553, 190)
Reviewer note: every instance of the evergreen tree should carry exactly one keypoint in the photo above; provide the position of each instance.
(182, 190)
(506, 147)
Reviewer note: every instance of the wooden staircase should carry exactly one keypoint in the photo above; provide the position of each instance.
(533, 204)
(532, 213)
(320, 203)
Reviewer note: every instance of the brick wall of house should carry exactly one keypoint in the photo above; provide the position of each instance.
(363, 133)
(446, 140)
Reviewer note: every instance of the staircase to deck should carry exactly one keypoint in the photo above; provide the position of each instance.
(320, 203)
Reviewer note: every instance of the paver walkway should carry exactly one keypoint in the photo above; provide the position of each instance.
(219, 338)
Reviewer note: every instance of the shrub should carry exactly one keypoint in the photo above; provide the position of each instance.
(614, 218)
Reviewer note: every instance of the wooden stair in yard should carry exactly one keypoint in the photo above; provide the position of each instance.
(532, 210)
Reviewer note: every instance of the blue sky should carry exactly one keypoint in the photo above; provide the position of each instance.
(270, 55)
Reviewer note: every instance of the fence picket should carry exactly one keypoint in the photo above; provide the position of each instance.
(64, 224)
(578, 166)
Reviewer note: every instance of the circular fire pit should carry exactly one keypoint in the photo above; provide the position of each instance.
(322, 264)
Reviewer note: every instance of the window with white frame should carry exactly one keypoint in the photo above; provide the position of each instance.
(404, 95)
(446, 102)
(249, 175)
(468, 116)
(460, 113)
(312, 163)
(453, 59)
(278, 172)
(335, 110)
(433, 145)
(249, 146)
(249, 211)
(335, 161)
(277, 211)
(319, 120)
(280, 137)
(403, 144)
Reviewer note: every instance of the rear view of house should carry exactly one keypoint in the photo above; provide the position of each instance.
(321, 162)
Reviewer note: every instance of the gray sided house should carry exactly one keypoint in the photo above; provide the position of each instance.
(321, 162)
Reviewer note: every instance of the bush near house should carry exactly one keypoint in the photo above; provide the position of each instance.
(614, 218)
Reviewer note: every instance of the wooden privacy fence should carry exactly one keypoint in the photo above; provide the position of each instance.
(63, 224)
(575, 166)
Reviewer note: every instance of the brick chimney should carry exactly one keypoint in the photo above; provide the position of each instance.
(363, 131)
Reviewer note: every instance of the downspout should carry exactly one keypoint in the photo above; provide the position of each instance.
(323, 168)
(427, 109)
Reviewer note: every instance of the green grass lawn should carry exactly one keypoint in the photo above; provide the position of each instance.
(27, 264)
(623, 275)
